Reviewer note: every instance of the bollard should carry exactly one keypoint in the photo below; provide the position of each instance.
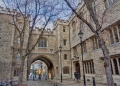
(55, 84)
(115, 84)
(94, 84)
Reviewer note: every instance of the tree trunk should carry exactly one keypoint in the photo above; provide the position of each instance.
(107, 65)
(21, 72)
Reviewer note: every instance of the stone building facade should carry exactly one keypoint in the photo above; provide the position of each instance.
(65, 34)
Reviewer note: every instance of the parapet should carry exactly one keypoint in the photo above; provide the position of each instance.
(61, 21)
(10, 11)
(7, 10)
(38, 30)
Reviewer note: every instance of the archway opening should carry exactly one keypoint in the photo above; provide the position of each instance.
(40, 68)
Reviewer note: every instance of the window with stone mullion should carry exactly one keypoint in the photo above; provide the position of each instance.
(93, 67)
(119, 31)
(93, 43)
(115, 66)
(111, 36)
(96, 43)
(42, 43)
(116, 35)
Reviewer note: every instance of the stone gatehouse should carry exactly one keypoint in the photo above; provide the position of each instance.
(65, 33)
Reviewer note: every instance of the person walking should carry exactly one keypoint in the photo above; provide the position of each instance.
(75, 76)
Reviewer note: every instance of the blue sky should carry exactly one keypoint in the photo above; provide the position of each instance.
(63, 15)
(1, 3)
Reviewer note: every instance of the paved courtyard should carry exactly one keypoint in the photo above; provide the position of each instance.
(68, 82)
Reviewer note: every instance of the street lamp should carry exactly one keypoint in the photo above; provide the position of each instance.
(61, 61)
(40, 71)
(80, 35)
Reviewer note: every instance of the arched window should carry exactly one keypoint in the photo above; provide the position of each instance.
(42, 43)
(66, 70)
(115, 66)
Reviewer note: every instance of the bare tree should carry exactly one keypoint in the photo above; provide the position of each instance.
(31, 12)
(90, 5)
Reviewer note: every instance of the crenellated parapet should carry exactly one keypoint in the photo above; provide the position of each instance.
(11, 12)
(38, 30)
(7, 10)
(60, 21)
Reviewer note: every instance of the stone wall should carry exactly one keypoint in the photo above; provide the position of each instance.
(6, 43)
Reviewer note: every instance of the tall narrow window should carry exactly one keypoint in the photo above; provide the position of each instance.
(93, 43)
(85, 68)
(42, 43)
(111, 66)
(119, 30)
(64, 42)
(96, 43)
(116, 35)
(84, 48)
(74, 27)
(115, 66)
(65, 56)
(63, 29)
(91, 69)
(111, 36)
(88, 67)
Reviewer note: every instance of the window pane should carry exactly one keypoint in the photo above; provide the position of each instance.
(115, 66)
(116, 35)
(65, 56)
(63, 29)
(64, 41)
(42, 43)
(119, 30)
(111, 37)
